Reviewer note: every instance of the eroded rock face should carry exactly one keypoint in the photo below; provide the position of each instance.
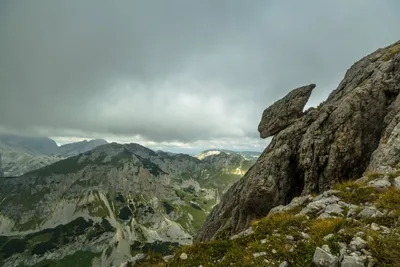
(321, 146)
(285, 111)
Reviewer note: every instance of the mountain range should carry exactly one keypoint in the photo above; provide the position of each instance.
(21, 154)
(109, 203)
(324, 193)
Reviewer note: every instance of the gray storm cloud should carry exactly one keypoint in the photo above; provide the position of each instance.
(174, 70)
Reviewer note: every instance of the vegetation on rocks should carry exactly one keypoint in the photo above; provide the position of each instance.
(334, 222)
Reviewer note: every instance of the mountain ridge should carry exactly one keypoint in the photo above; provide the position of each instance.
(120, 198)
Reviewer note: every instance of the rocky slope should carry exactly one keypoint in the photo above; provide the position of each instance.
(21, 154)
(108, 204)
(28, 144)
(16, 163)
(76, 148)
(355, 224)
(354, 130)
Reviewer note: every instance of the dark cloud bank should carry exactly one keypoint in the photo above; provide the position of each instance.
(175, 73)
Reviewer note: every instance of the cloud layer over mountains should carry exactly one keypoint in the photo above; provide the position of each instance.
(175, 73)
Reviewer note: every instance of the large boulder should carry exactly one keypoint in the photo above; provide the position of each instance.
(285, 111)
(310, 151)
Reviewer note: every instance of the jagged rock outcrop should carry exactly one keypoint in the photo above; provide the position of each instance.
(285, 111)
(325, 145)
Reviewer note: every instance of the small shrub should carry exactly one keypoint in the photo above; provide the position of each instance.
(322, 227)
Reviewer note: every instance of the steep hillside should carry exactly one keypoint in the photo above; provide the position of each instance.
(109, 204)
(76, 148)
(354, 130)
(355, 224)
(16, 163)
(22, 154)
(27, 144)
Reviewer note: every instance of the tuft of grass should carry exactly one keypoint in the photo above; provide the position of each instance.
(373, 175)
(274, 230)
(390, 199)
(392, 52)
(322, 227)
(212, 254)
(352, 184)
(386, 249)
(356, 192)
(278, 222)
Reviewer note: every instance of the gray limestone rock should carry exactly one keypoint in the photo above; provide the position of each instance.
(370, 212)
(323, 258)
(295, 203)
(396, 182)
(353, 261)
(313, 150)
(285, 111)
(383, 183)
(357, 243)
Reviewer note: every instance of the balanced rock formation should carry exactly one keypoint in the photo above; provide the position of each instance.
(285, 111)
(355, 129)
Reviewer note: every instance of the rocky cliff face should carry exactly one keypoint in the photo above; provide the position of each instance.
(109, 204)
(354, 130)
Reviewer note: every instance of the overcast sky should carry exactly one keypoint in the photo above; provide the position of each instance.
(175, 75)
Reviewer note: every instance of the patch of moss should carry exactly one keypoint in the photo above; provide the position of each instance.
(391, 53)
